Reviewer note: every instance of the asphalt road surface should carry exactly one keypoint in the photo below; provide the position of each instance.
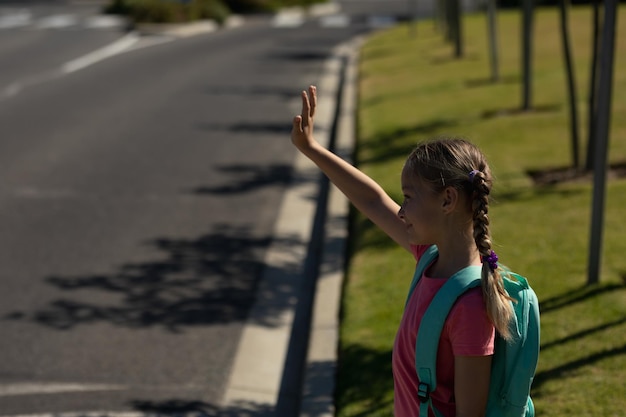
(138, 192)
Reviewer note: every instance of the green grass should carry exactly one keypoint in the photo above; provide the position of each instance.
(410, 88)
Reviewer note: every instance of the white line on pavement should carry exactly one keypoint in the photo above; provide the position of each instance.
(15, 19)
(289, 18)
(57, 21)
(335, 21)
(98, 55)
(99, 414)
(104, 21)
(29, 388)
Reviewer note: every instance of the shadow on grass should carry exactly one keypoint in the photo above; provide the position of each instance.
(365, 377)
(533, 193)
(567, 174)
(368, 235)
(451, 57)
(583, 334)
(393, 144)
(518, 111)
(569, 298)
(560, 371)
(576, 296)
(482, 82)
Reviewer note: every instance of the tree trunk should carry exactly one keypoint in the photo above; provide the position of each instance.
(603, 123)
(493, 39)
(593, 86)
(457, 35)
(571, 82)
(449, 20)
(527, 41)
(440, 15)
(413, 14)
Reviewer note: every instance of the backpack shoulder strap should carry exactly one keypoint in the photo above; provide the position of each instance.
(432, 323)
(426, 259)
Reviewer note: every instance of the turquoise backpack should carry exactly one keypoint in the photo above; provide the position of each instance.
(514, 363)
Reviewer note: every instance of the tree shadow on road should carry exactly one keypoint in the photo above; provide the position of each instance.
(191, 408)
(203, 281)
(250, 178)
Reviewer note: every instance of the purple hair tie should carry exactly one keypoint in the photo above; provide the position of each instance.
(492, 260)
(472, 174)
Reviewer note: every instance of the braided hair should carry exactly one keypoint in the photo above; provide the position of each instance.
(455, 162)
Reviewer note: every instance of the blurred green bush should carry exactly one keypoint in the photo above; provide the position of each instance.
(174, 11)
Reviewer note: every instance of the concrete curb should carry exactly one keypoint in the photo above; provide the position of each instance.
(321, 364)
(287, 367)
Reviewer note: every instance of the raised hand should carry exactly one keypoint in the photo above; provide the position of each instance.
(302, 130)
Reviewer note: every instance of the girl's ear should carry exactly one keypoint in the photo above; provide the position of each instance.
(449, 199)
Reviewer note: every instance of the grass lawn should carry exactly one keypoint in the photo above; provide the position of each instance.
(411, 88)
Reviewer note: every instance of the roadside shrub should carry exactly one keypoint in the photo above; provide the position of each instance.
(260, 6)
(117, 7)
(169, 11)
(210, 9)
(166, 11)
(157, 11)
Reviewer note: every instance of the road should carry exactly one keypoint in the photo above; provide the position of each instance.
(138, 195)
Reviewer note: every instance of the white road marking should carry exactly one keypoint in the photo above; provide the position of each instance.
(335, 21)
(57, 21)
(288, 19)
(11, 90)
(103, 21)
(16, 87)
(17, 18)
(29, 388)
(324, 9)
(103, 413)
(129, 42)
(98, 55)
(12, 19)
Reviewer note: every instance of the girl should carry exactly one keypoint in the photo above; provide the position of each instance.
(446, 184)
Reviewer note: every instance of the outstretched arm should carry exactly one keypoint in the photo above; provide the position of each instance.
(364, 193)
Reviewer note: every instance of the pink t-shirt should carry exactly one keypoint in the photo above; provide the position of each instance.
(467, 332)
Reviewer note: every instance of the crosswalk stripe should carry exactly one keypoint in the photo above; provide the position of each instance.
(288, 19)
(23, 18)
(335, 21)
(104, 21)
(57, 21)
(15, 19)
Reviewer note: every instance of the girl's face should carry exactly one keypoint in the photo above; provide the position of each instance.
(420, 209)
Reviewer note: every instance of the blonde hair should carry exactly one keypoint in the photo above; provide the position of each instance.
(447, 162)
